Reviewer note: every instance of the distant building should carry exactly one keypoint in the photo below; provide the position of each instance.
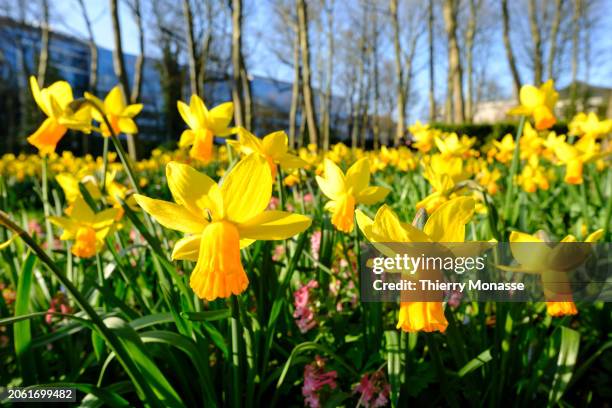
(69, 59)
(589, 98)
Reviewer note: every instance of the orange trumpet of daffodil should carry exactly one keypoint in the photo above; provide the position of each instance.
(273, 147)
(203, 125)
(538, 103)
(86, 228)
(540, 258)
(446, 224)
(219, 220)
(346, 191)
(120, 115)
(55, 101)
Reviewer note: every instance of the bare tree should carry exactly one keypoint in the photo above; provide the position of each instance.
(474, 7)
(401, 94)
(430, 37)
(536, 39)
(554, 30)
(454, 60)
(240, 83)
(309, 108)
(43, 56)
(119, 65)
(516, 79)
(575, 47)
(136, 10)
(327, 94)
(191, 47)
(93, 49)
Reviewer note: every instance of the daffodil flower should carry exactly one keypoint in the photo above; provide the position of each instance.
(539, 103)
(55, 101)
(219, 220)
(346, 191)
(273, 147)
(574, 156)
(86, 228)
(451, 145)
(443, 173)
(203, 125)
(552, 264)
(589, 125)
(120, 115)
(446, 225)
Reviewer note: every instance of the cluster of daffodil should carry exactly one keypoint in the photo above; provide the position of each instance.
(221, 218)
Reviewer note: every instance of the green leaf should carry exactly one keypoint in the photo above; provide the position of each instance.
(151, 320)
(208, 315)
(475, 363)
(566, 361)
(394, 364)
(21, 332)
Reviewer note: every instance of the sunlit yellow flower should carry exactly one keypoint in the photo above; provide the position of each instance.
(589, 125)
(446, 224)
(504, 149)
(547, 261)
(120, 115)
(533, 176)
(272, 147)
(423, 136)
(443, 173)
(539, 103)
(219, 220)
(346, 191)
(55, 101)
(452, 145)
(574, 156)
(70, 185)
(86, 228)
(204, 125)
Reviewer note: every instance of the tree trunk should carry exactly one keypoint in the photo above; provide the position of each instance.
(454, 61)
(516, 79)
(536, 40)
(295, 91)
(329, 75)
(309, 108)
(401, 107)
(191, 48)
(93, 65)
(139, 66)
(237, 94)
(119, 65)
(43, 56)
(246, 89)
(376, 79)
(469, 57)
(554, 30)
(432, 97)
(575, 48)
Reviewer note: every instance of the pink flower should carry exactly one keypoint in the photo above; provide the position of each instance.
(304, 313)
(308, 198)
(374, 390)
(274, 203)
(315, 379)
(59, 304)
(34, 227)
(315, 244)
(279, 251)
(454, 300)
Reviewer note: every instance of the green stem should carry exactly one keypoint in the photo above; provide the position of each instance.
(142, 387)
(513, 171)
(235, 328)
(104, 165)
(46, 206)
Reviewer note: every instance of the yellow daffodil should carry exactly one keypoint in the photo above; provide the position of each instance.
(70, 185)
(443, 173)
(86, 228)
(451, 145)
(551, 263)
(423, 136)
(533, 176)
(120, 115)
(272, 147)
(219, 220)
(446, 225)
(504, 149)
(589, 125)
(574, 156)
(539, 103)
(55, 101)
(346, 191)
(204, 125)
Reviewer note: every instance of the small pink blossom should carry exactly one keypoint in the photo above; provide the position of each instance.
(315, 244)
(274, 203)
(59, 304)
(34, 228)
(279, 251)
(304, 313)
(374, 390)
(315, 379)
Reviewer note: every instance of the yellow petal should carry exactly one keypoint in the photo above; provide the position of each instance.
(105, 218)
(38, 97)
(47, 136)
(529, 251)
(595, 236)
(447, 223)
(187, 138)
(187, 116)
(365, 224)
(171, 215)
(61, 92)
(530, 97)
(247, 189)
(333, 185)
(275, 144)
(187, 248)
(194, 190)
(81, 211)
(114, 103)
(70, 227)
(290, 161)
(127, 125)
(358, 175)
(133, 110)
(274, 225)
(248, 142)
(8, 242)
(371, 195)
(219, 118)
